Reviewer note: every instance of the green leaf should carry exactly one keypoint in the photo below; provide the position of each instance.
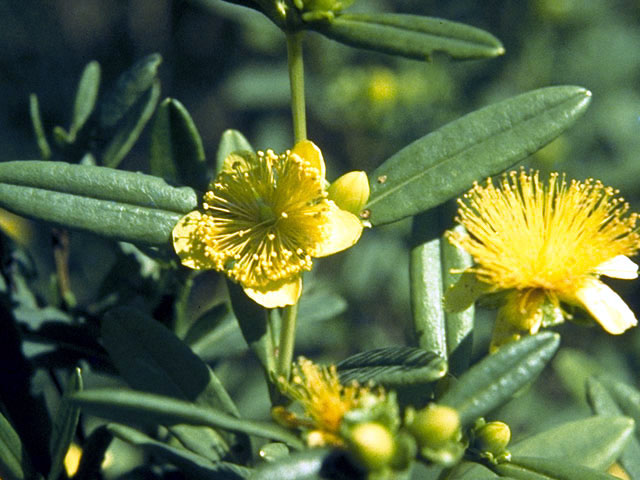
(131, 126)
(231, 141)
(576, 441)
(137, 408)
(493, 381)
(626, 397)
(129, 88)
(306, 465)
(604, 404)
(193, 465)
(86, 97)
(12, 455)
(446, 162)
(533, 468)
(36, 122)
(410, 36)
(425, 273)
(467, 470)
(393, 367)
(124, 205)
(177, 153)
(64, 426)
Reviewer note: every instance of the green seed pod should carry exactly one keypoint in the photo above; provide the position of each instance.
(433, 426)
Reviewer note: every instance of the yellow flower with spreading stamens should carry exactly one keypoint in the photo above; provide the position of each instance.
(324, 400)
(543, 245)
(265, 217)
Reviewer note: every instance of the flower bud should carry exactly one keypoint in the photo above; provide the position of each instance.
(434, 426)
(350, 192)
(372, 444)
(493, 437)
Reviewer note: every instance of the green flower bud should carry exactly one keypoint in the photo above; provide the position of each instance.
(434, 426)
(372, 444)
(493, 437)
(350, 192)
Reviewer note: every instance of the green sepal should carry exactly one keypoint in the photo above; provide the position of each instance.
(463, 293)
(534, 468)
(603, 403)
(64, 426)
(193, 465)
(576, 441)
(86, 97)
(176, 151)
(14, 464)
(411, 36)
(441, 165)
(495, 379)
(117, 204)
(231, 141)
(393, 367)
(138, 408)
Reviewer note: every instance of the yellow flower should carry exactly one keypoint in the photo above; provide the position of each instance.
(324, 400)
(264, 218)
(543, 245)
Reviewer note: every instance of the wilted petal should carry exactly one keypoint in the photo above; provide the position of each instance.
(606, 306)
(345, 230)
(190, 247)
(279, 294)
(310, 152)
(619, 266)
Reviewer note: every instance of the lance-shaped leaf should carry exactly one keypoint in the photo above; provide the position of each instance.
(13, 460)
(393, 367)
(113, 203)
(195, 466)
(177, 153)
(64, 426)
(137, 408)
(626, 397)
(576, 441)
(603, 403)
(411, 36)
(446, 162)
(86, 97)
(534, 468)
(493, 381)
(38, 129)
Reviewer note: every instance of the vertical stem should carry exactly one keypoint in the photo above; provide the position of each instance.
(296, 80)
(287, 340)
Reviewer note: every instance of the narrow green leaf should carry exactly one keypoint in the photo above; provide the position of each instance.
(459, 325)
(425, 273)
(576, 441)
(393, 367)
(12, 454)
(86, 97)
(36, 122)
(195, 466)
(604, 404)
(306, 465)
(231, 141)
(124, 205)
(128, 90)
(410, 36)
(131, 126)
(493, 381)
(64, 426)
(446, 162)
(533, 468)
(137, 408)
(177, 153)
(626, 396)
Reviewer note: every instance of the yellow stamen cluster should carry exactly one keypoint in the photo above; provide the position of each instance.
(524, 235)
(324, 399)
(263, 218)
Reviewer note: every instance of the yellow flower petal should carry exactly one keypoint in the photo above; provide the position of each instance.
(310, 152)
(345, 230)
(619, 266)
(605, 306)
(280, 294)
(187, 243)
(350, 192)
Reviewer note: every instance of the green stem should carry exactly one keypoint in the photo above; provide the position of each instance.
(287, 340)
(296, 80)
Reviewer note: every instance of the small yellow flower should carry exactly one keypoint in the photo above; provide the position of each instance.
(264, 218)
(324, 400)
(543, 245)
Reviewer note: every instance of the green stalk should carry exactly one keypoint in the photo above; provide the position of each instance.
(296, 81)
(287, 340)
